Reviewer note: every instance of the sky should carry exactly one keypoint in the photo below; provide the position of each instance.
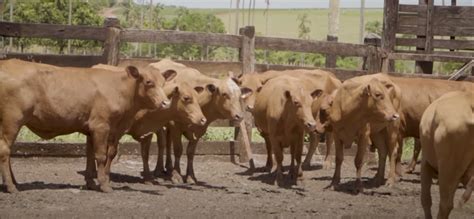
(293, 3)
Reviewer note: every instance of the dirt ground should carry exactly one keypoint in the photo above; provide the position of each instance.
(51, 187)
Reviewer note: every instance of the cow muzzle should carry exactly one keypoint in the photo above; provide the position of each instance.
(393, 117)
(203, 121)
(165, 104)
(237, 117)
(311, 126)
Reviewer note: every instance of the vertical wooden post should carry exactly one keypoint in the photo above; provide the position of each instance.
(390, 18)
(247, 57)
(373, 62)
(111, 53)
(422, 66)
(331, 59)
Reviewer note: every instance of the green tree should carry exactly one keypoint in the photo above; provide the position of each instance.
(303, 27)
(374, 27)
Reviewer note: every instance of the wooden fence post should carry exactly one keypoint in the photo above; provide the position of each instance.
(373, 62)
(422, 66)
(331, 59)
(390, 18)
(247, 57)
(111, 53)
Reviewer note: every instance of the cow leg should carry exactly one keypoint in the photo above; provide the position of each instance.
(449, 175)
(100, 136)
(160, 143)
(467, 194)
(175, 137)
(298, 153)
(329, 144)
(392, 155)
(268, 145)
(276, 171)
(91, 171)
(339, 158)
(313, 144)
(169, 162)
(112, 149)
(8, 131)
(379, 141)
(362, 144)
(399, 167)
(145, 146)
(416, 153)
(427, 174)
(190, 178)
(292, 172)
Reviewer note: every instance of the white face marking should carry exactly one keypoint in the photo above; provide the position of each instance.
(234, 89)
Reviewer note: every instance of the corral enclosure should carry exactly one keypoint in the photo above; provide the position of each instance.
(413, 32)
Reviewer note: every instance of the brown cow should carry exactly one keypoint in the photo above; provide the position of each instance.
(355, 105)
(54, 101)
(251, 84)
(283, 112)
(184, 109)
(447, 140)
(220, 101)
(418, 94)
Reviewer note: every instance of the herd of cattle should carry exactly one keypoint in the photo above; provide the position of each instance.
(167, 98)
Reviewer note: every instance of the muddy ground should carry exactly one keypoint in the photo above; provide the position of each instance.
(52, 187)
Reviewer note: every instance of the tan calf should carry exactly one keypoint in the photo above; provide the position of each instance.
(220, 101)
(355, 105)
(54, 101)
(283, 112)
(447, 140)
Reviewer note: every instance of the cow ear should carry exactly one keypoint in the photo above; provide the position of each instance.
(133, 71)
(211, 88)
(236, 80)
(288, 94)
(316, 93)
(366, 91)
(246, 92)
(199, 89)
(169, 74)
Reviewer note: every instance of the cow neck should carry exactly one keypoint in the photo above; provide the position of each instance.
(133, 100)
(210, 110)
(342, 114)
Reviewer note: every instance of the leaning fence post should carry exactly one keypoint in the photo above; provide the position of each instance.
(112, 42)
(247, 57)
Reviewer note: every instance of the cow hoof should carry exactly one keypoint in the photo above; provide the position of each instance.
(106, 189)
(377, 181)
(306, 165)
(176, 178)
(90, 185)
(12, 189)
(191, 180)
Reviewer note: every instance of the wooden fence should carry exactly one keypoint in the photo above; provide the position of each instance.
(112, 35)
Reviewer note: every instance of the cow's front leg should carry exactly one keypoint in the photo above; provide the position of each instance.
(191, 150)
(145, 147)
(91, 171)
(100, 135)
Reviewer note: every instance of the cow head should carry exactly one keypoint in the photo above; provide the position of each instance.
(150, 84)
(184, 101)
(378, 102)
(321, 108)
(226, 98)
(250, 85)
(299, 102)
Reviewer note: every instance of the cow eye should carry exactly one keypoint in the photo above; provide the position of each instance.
(297, 103)
(379, 96)
(226, 95)
(149, 83)
(187, 99)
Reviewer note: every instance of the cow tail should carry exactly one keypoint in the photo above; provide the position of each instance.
(467, 193)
